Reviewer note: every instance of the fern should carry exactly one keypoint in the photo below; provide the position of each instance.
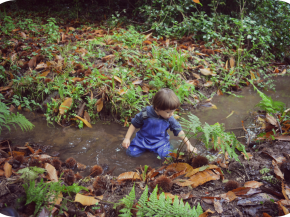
(225, 140)
(7, 118)
(43, 193)
(157, 207)
(267, 104)
(30, 173)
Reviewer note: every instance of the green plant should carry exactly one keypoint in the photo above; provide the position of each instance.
(44, 193)
(7, 118)
(157, 207)
(8, 25)
(264, 170)
(30, 173)
(213, 135)
(52, 29)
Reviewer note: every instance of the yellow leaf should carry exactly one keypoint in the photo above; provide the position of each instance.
(196, 1)
(44, 74)
(230, 114)
(128, 176)
(122, 91)
(232, 62)
(51, 172)
(118, 79)
(71, 28)
(252, 75)
(85, 121)
(85, 200)
(203, 177)
(65, 106)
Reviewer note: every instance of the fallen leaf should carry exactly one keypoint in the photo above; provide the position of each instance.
(208, 84)
(56, 200)
(196, 75)
(99, 105)
(87, 116)
(230, 114)
(85, 121)
(117, 79)
(278, 172)
(193, 82)
(196, 170)
(41, 66)
(253, 184)
(183, 182)
(128, 176)
(232, 62)
(44, 74)
(285, 191)
(51, 172)
(85, 200)
(217, 205)
(249, 155)
(203, 177)
(271, 120)
(2, 173)
(196, 1)
(32, 62)
(180, 167)
(285, 210)
(122, 91)
(109, 57)
(7, 169)
(23, 35)
(137, 81)
(229, 196)
(206, 71)
(206, 213)
(65, 106)
(145, 88)
(283, 138)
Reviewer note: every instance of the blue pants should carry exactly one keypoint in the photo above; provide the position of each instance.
(135, 151)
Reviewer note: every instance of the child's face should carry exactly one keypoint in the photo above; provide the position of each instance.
(165, 113)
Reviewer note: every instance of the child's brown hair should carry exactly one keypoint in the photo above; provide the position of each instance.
(165, 99)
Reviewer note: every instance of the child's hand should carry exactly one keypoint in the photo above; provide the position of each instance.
(190, 148)
(126, 143)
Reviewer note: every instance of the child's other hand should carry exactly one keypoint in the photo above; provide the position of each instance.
(126, 143)
(190, 148)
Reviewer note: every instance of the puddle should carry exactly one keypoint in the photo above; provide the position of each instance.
(102, 143)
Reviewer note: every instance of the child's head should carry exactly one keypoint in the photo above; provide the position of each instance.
(165, 102)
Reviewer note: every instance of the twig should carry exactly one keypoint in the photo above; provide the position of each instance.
(10, 148)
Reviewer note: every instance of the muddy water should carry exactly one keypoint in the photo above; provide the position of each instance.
(102, 143)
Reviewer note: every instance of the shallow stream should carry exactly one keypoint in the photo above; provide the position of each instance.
(102, 143)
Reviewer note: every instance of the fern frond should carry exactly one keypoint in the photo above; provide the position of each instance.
(7, 118)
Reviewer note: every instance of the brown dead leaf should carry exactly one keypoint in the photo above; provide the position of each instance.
(145, 88)
(249, 155)
(65, 106)
(229, 196)
(196, 1)
(180, 167)
(2, 173)
(253, 184)
(196, 75)
(147, 42)
(23, 35)
(32, 62)
(81, 166)
(183, 182)
(44, 74)
(193, 82)
(107, 58)
(203, 177)
(7, 170)
(51, 172)
(85, 121)
(85, 200)
(285, 210)
(206, 71)
(285, 191)
(271, 120)
(87, 116)
(277, 171)
(128, 176)
(206, 213)
(196, 170)
(99, 104)
(41, 66)
(217, 205)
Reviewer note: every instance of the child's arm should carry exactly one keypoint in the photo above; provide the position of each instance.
(126, 141)
(189, 147)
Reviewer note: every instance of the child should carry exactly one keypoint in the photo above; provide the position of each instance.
(154, 122)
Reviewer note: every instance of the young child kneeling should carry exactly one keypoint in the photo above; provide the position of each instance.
(154, 121)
